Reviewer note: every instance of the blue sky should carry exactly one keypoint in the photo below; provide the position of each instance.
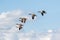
(49, 21)
(45, 27)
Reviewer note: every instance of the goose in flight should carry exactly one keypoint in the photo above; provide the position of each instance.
(19, 26)
(42, 12)
(33, 15)
(23, 20)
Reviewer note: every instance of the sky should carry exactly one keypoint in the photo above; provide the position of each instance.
(12, 10)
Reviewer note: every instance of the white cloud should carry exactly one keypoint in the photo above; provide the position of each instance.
(50, 31)
(29, 36)
(8, 19)
(56, 35)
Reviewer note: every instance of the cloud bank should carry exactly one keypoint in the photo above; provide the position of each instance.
(29, 36)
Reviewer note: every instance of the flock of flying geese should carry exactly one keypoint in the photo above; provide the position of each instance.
(23, 20)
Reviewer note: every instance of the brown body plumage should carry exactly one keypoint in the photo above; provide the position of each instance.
(33, 15)
(23, 20)
(20, 26)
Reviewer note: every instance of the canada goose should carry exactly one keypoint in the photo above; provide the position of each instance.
(42, 12)
(19, 26)
(23, 20)
(33, 15)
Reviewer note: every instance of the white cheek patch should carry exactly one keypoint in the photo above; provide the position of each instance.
(17, 26)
